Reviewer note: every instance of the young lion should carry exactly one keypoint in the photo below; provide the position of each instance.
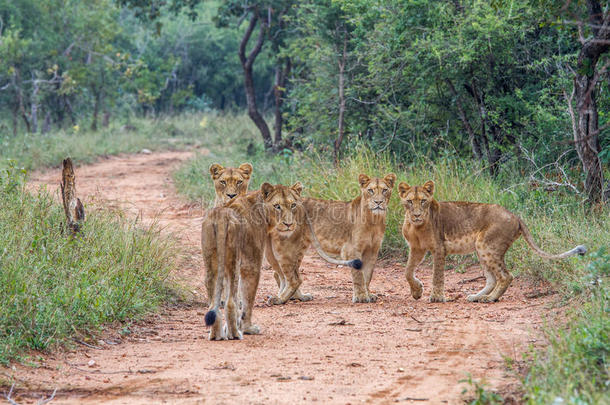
(234, 238)
(353, 229)
(229, 182)
(460, 228)
(285, 251)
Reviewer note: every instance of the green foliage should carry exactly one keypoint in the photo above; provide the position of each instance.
(480, 395)
(54, 287)
(575, 368)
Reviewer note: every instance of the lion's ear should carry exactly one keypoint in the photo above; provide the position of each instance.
(297, 188)
(246, 169)
(429, 186)
(363, 179)
(390, 179)
(403, 189)
(266, 190)
(216, 170)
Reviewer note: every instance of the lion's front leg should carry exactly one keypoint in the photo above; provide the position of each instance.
(438, 276)
(289, 268)
(415, 258)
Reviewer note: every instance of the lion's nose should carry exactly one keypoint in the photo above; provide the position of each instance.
(378, 202)
(288, 225)
(231, 195)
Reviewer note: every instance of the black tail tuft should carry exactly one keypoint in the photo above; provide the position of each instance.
(581, 250)
(356, 263)
(210, 318)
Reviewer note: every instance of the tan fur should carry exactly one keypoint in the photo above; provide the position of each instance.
(354, 229)
(248, 220)
(444, 228)
(229, 182)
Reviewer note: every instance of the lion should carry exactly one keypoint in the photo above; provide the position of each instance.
(460, 228)
(285, 252)
(229, 182)
(352, 229)
(234, 239)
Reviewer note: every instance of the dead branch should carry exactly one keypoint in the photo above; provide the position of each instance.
(73, 207)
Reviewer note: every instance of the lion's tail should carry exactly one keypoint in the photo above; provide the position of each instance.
(221, 232)
(355, 263)
(580, 249)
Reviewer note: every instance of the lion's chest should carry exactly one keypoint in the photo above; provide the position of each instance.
(459, 244)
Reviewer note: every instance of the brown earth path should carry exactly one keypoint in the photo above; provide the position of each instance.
(326, 351)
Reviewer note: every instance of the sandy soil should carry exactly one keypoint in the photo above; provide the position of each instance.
(327, 350)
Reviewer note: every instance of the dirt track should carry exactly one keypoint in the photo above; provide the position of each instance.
(327, 350)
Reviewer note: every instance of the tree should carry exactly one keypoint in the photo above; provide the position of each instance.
(587, 80)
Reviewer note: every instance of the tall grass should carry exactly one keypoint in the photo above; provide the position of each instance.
(575, 369)
(83, 145)
(54, 287)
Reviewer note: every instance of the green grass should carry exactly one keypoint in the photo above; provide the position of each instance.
(558, 221)
(54, 287)
(83, 145)
(575, 368)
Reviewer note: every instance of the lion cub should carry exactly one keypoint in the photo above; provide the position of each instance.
(354, 229)
(233, 240)
(459, 228)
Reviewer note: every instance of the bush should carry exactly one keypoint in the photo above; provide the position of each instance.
(53, 286)
(575, 367)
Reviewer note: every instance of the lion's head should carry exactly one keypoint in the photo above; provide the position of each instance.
(376, 192)
(283, 206)
(229, 182)
(417, 201)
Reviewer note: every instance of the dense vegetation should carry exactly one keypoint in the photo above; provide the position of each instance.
(54, 287)
(512, 85)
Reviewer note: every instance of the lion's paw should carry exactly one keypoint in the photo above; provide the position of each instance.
(486, 298)
(305, 297)
(252, 330)
(473, 298)
(417, 291)
(437, 298)
(363, 299)
(274, 300)
(235, 336)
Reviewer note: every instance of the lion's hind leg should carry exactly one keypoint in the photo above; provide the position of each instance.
(504, 278)
(490, 283)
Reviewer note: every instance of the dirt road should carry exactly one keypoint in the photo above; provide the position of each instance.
(326, 351)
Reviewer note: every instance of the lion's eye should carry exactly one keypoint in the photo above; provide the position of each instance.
(277, 206)
(385, 190)
(239, 182)
(222, 182)
(424, 201)
(409, 202)
(370, 190)
(293, 206)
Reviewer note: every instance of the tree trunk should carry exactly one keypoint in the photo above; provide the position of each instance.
(281, 75)
(474, 141)
(96, 109)
(247, 63)
(73, 208)
(493, 156)
(106, 119)
(341, 123)
(34, 106)
(586, 124)
(46, 125)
